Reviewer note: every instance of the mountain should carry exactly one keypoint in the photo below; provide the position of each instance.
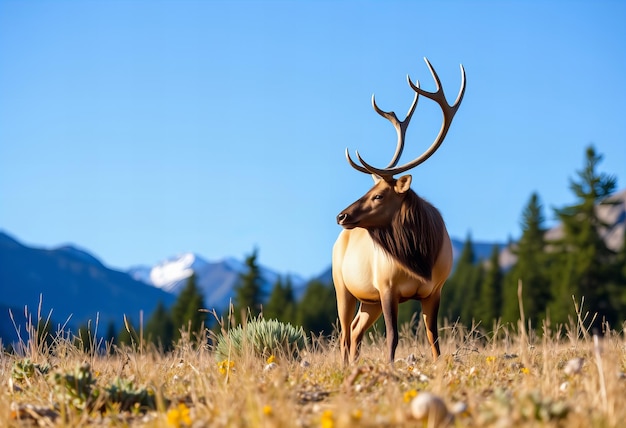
(217, 280)
(72, 283)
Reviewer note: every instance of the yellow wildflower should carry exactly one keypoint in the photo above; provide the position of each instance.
(267, 410)
(271, 359)
(179, 416)
(490, 359)
(357, 414)
(409, 395)
(225, 366)
(328, 421)
(524, 370)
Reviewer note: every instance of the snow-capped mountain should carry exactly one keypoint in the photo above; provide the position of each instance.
(217, 280)
(169, 274)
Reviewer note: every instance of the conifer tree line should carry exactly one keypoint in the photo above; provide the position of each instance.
(553, 274)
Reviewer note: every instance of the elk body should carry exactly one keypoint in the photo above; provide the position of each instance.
(394, 246)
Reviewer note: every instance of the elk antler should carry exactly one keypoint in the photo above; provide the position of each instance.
(448, 114)
(400, 125)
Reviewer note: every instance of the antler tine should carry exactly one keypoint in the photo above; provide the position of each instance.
(438, 96)
(400, 126)
(355, 165)
(448, 114)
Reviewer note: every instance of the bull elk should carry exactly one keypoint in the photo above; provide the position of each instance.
(394, 245)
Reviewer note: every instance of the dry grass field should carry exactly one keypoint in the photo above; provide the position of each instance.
(566, 377)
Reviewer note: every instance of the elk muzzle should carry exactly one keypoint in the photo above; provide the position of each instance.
(344, 219)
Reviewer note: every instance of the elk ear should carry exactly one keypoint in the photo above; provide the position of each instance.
(403, 184)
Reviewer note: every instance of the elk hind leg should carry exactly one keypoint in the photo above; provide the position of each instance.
(430, 309)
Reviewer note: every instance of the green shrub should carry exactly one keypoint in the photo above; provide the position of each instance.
(25, 369)
(124, 393)
(262, 338)
(76, 389)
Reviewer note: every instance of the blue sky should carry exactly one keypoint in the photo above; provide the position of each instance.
(143, 129)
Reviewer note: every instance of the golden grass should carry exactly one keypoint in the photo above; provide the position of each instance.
(508, 378)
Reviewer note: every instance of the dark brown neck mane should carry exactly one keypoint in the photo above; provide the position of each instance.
(414, 237)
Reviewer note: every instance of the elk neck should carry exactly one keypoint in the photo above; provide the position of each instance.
(414, 237)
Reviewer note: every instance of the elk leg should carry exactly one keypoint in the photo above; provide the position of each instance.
(390, 312)
(346, 305)
(367, 315)
(430, 308)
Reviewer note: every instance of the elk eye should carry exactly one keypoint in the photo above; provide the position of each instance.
(377, 197)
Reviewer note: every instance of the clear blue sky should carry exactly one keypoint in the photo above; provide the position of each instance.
(142, 129)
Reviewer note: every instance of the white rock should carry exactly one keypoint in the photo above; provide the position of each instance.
(573, 366)
(270, 367)
(428, 407)
(458, 408)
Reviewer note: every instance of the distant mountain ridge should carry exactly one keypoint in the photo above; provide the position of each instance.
(72, 283)
(217, 280)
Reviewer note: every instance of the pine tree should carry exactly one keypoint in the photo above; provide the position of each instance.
(128, 334)
(461, 291)
(531, 268)
(248, 292)
(620, 275)
(44, 332)
(160, 328)
(407, 312)
(489, 304)
(584, 267)
(280, 304)
(110, 337)
(84, 338)
(186, 312)
(317, 312)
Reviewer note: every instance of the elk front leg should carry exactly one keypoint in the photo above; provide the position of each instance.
(430, 309)
(390, 312)
(346, 305)
(367, 315)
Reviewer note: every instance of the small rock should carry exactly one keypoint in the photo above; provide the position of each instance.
(428, 407)
(411, 360)
(458, 408)
(269, 367)
(573, 366)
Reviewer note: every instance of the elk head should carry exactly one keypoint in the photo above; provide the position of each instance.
(381, 202)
